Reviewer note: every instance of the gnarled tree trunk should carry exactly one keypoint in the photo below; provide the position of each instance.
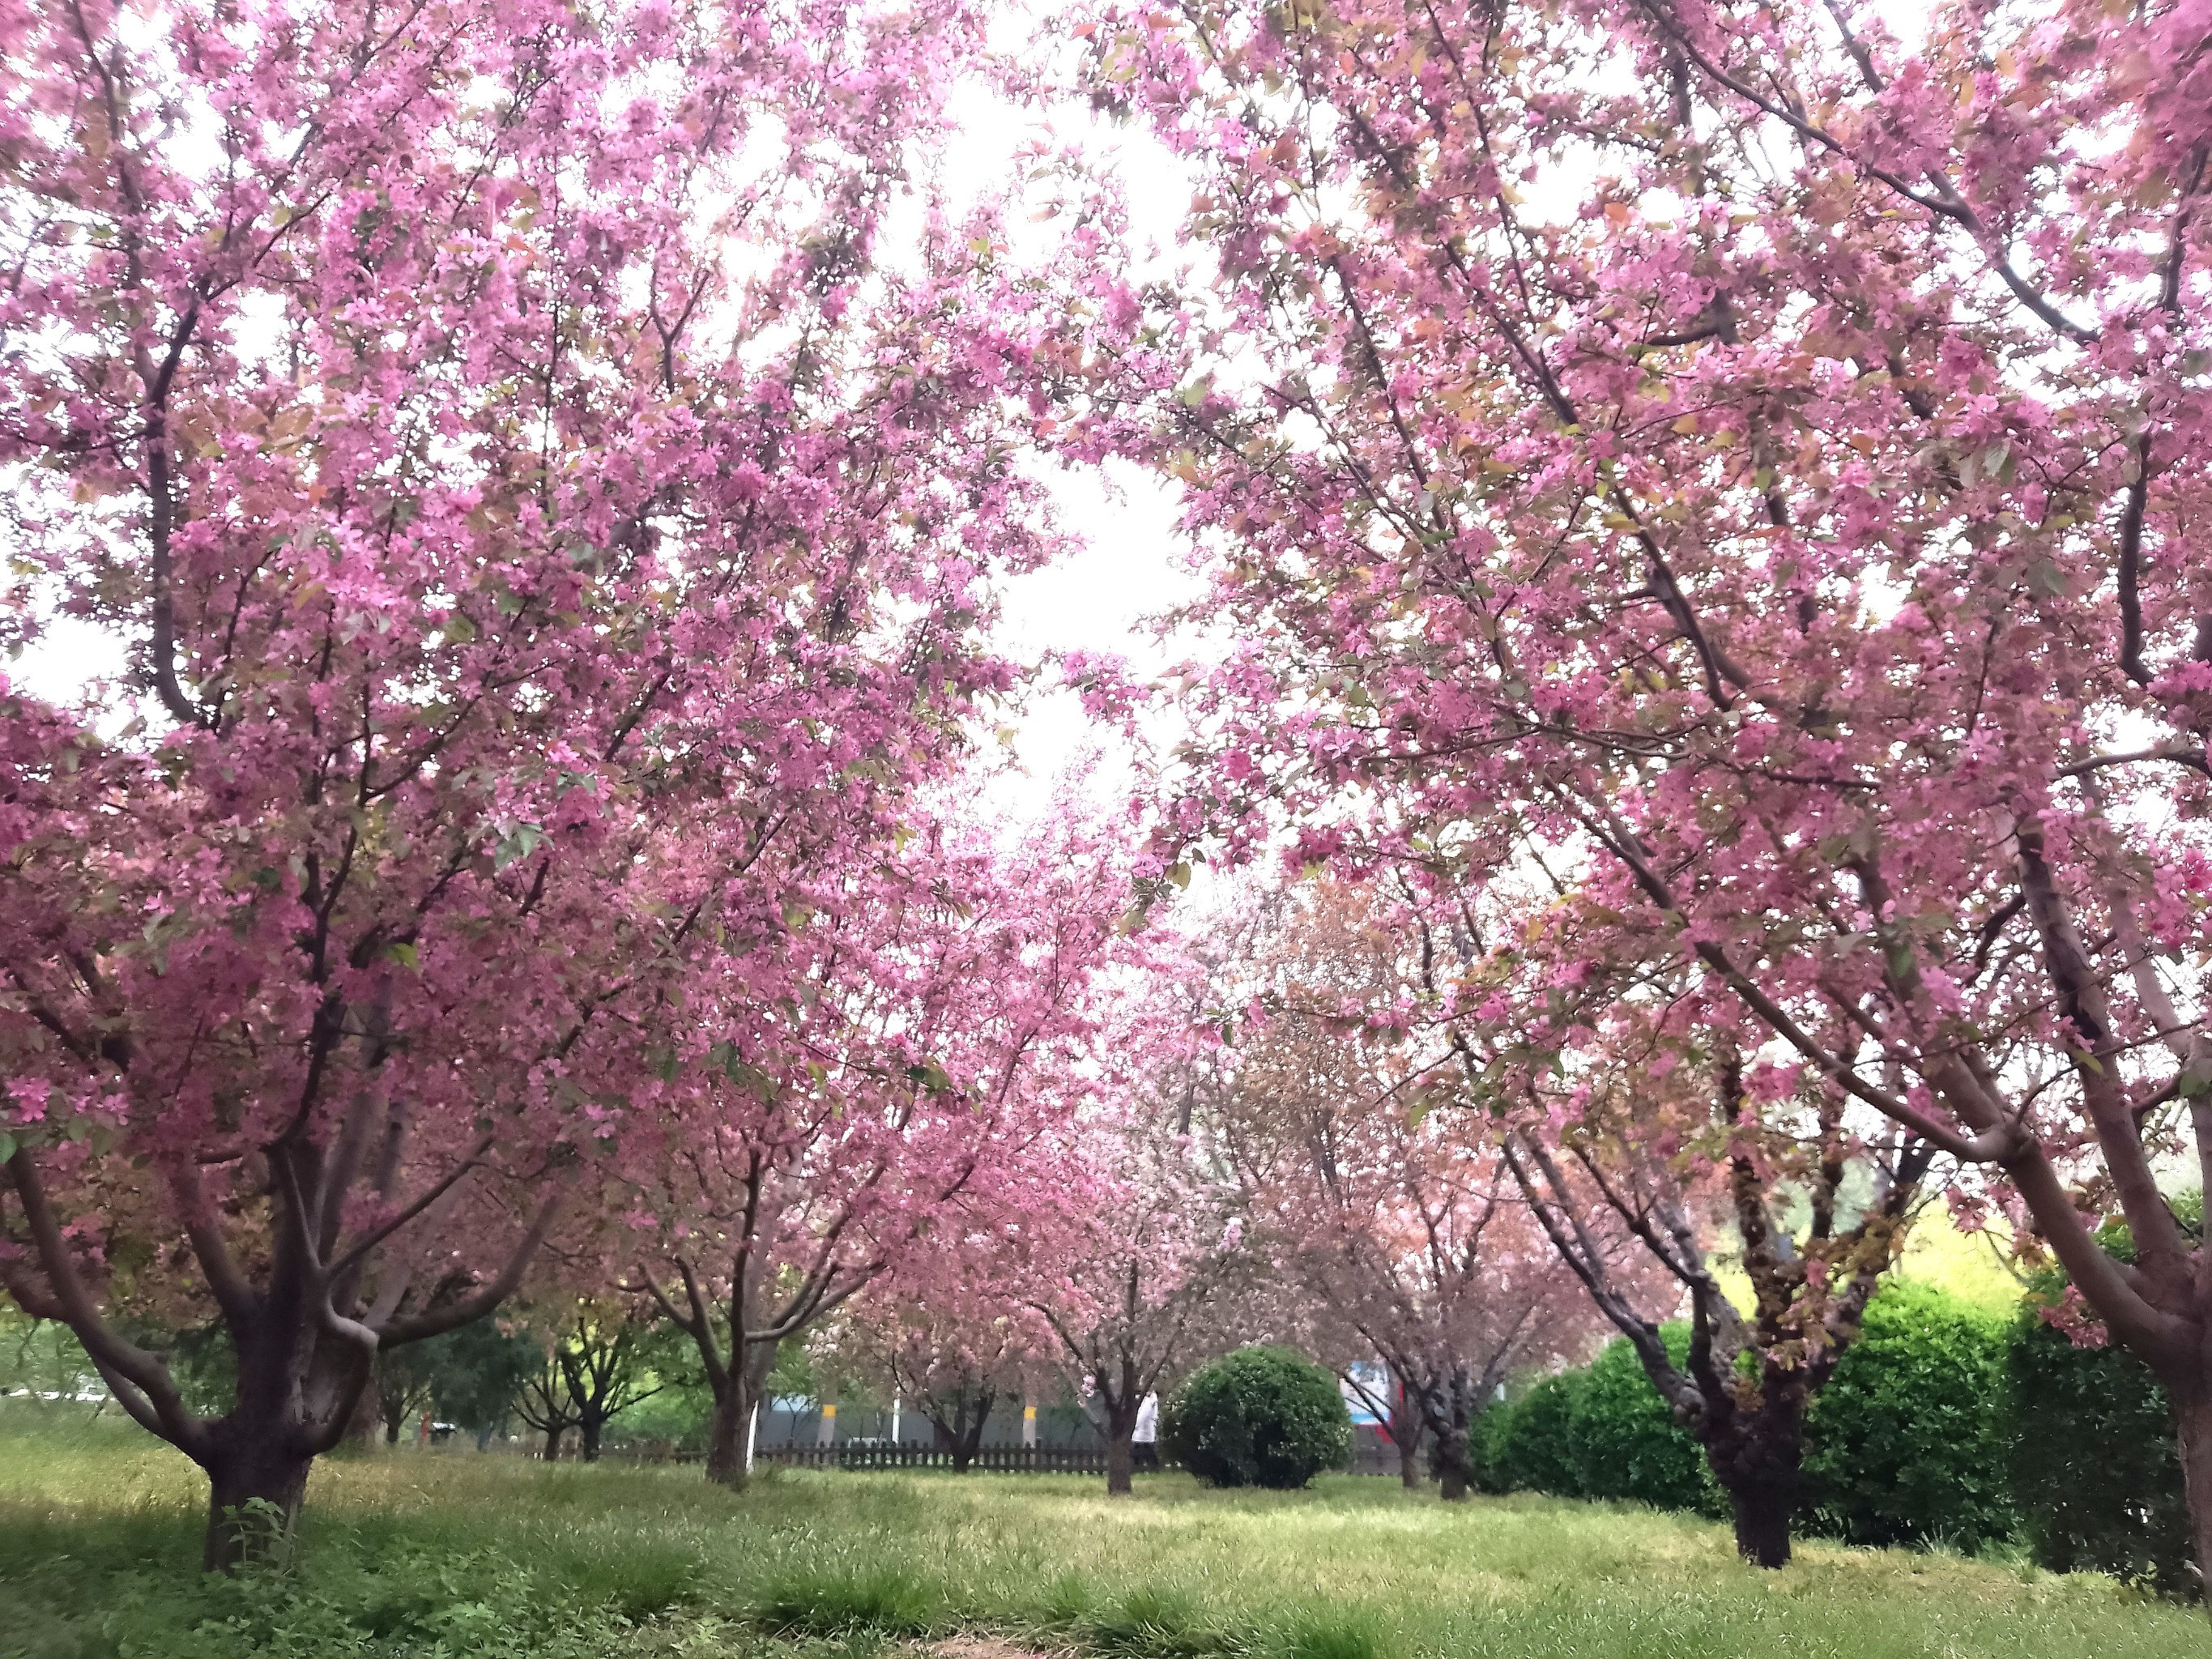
(1448, 1459)
(1757, 1455)
(254, 1494)
(1446, 1402)
(294, 1397)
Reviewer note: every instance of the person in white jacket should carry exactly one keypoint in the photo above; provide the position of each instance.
(1144, 1439)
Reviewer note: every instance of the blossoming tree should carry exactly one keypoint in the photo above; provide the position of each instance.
(912, 1089)
(1757, 458)
(531, 519)
(1380, 1187)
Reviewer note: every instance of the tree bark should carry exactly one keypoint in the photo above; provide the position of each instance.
(1449, 1458)
(1120, 1460)
(553, 1442)
(741, 1386)
(726, 1463)
(588, 1432)
(254, 1493)
(1758, 1463)
(1763, 1515)
(2194, 1412)
(1406, 1428)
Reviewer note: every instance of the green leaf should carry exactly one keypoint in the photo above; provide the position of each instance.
(931, 1076)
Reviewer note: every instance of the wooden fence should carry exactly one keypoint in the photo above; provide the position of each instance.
(1380, 1459)
(989, 1459)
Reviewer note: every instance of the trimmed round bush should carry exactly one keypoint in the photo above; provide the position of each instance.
(1259, 1417)
(1905, 1443)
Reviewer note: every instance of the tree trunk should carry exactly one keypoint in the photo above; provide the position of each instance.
(588, 1431)
(729, 1437)
(1120, 1460)
(1405, 1435)
(1758, 1465)
(254, 1494)
(2194, 1411)
(553, 1442)
(967, 1435)
(1763, 1515)
(1449, 1458)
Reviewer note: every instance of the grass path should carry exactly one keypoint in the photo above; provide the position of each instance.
(455, 1553)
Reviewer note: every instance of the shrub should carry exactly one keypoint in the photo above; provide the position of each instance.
(1261, 1417)
(2094, 1470)
(1904, 1444)
(2093, 1467)
(1531, 1451)
(1485, 1449)
(1623, 1439)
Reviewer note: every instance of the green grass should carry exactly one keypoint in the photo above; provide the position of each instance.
(456, 1553)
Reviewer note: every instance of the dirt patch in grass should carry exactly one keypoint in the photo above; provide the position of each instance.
(972, 1646)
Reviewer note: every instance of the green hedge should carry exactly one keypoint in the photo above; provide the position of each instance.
(1259, 1417)
(2092, 1460)
(1905, 1444)
(1600, 1431)
(2093, 1467)
(1945, 1424)
(1523, 1445)
(1624, 1439)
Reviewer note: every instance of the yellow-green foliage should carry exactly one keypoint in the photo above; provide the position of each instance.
(456, 1552)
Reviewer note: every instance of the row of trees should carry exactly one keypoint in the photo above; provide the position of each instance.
(1705, 495)
(1702, 497)
(554, 554)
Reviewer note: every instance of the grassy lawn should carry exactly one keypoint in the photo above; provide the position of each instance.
(452, 1552)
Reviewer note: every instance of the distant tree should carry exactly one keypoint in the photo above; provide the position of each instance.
(895, 1100)
(480, 1370)
(1376, 1187)
(599, 1364)
(405, 1379)
(544, 1404)
(952, 1342)
(1132, 1265)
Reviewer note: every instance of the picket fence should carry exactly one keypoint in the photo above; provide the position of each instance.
(989, 1459)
